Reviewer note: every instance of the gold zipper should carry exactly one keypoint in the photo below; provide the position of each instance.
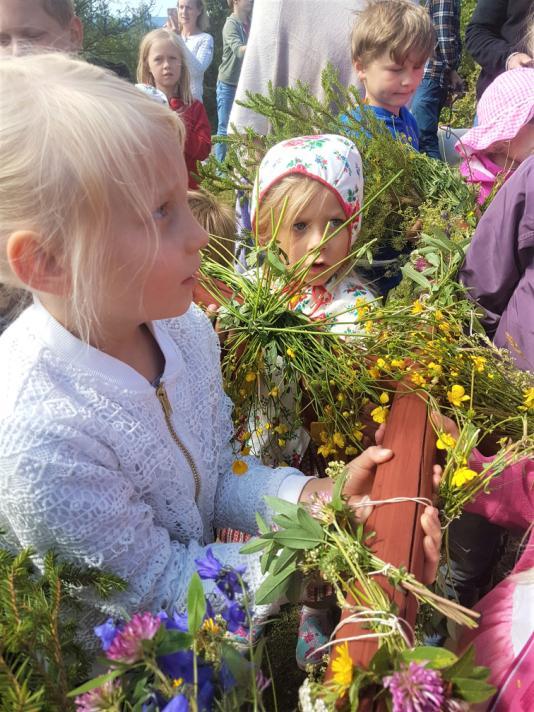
(165, 403)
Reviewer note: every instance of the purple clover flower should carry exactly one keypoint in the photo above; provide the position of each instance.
(416, 689)
(100, 698)
(127, 645)
(421, 263)
(226, 579)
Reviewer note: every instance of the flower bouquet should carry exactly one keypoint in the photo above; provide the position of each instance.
(197, 660)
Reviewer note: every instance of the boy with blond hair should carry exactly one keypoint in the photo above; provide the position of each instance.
(391, 42)
(218, 220)
(32, 25)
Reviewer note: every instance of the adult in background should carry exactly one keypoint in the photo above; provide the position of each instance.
(440, 77)
(191, 22)
(496, 38)
(235, 35)
(301, 39)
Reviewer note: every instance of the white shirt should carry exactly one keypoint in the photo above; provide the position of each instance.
(199, 58)
(88, 466)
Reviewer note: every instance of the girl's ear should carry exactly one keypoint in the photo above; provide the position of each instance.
(35, 267)
(359, 69)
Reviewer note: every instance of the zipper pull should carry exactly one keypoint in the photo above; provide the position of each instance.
(163, 398)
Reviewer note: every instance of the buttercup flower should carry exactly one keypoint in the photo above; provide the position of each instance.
(250, 377)
(417, 307)
(416, 689)
(290, 352)
(445, 442)
(342, 667)
(239, 467)
(127, 645)
(457, 395)
(379, 414)
(463, 475)
(384, 398)
(529, 398)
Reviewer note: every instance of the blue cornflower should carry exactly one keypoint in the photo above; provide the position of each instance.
(226, 578)
(107, 632)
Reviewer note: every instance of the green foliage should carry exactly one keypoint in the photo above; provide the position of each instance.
(40, 658)
(113, 37)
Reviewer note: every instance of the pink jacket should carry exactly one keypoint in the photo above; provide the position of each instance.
(504, 642)
(479, 170)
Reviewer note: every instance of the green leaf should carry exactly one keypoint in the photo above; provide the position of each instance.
(297, 538)
(286, 557)
(96, 682)
(275, 263)
(268, 557)
(310, 524)
(274, 587)
(196, 604)
(381, 661)
(436, 658)
(472, 690)
(254, 545)
(463, 666)
(280, 506)
(294, 590)
(238, 665)
(263, 527)
(174, 640)
(411, 273)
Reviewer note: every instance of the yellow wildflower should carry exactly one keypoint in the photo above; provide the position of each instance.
(368, 327)
(345, 414)
(479, 362)
(338, 439)
(457, 396)
(281, 442)
(274, 392)
(398, 362)
(340, 397)
(417, 379)
(267, 426)
(239, 467)
(351, 450)
(384, 398)
(357, 435)
(435, 368)
(290, 352)
(438, 315)
(282, 429)
(178, 682)
(379, 414)
(529, 398)
(324, 450)
(250, 376)
(245, 451)
(210, 626)
(417, 307)
(342, 667)
(244, 436)
(463, 475)
(374, 372)
(445, 442)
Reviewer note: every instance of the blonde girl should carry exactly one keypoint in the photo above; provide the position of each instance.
(114, 428)
(163, 65)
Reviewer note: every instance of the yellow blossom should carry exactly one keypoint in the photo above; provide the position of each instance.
(239, 467)
(178, 682)
(357, 435)
(384, 398)
(435, 368)
(342, 667)
(244, 436)
(398, 362)
(281, 429)
(338, 439)
(381, 363)
(267, 426)
(374, 372)
(417, 379)
(210, 626)
(324, 450)
(445, 442)
(250, 376)
(340, 397)
(345, 414)
(479, 362)
(417, 307)
(281, 442)
(529, 398)
(274, 392)
(351, 450)
(379, 414)
(368, 327)
(457, 396)
(245, 451)
(463, 475)
(290, 352)
(438, 315)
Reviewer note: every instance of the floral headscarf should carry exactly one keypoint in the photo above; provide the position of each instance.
(331, 160)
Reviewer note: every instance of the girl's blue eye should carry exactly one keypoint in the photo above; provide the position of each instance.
(299, 226)
(336, 222)
(161, 212)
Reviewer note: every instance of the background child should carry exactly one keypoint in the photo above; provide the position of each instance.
(114, 427)
(218, 220)
(163, 64)
(319, 181)
(391, 41)
(30, 24)
(504, 135)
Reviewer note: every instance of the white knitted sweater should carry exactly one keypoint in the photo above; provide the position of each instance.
(88, 465)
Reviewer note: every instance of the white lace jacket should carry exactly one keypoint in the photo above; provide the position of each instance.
(89, 466)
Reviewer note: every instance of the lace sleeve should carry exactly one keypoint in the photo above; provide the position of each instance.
(201, 58)
(64, 493)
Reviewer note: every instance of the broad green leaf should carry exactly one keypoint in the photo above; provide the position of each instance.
(196, 604)
(174, 640)
(274, 587)
(254, 545)
(415, 276)
(96, 682)
(472, 690)
(463, 666)
(294, 590)
(268, 557)
(297, 538)
(263, 527)
(310, 524)
(286, 557)
(275, 262)
(280, 506)
(436, 658)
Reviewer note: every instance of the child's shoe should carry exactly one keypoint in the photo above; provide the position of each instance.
(315, 628)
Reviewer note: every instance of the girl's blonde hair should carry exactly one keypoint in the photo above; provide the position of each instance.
(144, 76)
(203, 20)
(88, 143)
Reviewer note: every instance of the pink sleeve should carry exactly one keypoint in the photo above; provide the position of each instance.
(510, 500)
